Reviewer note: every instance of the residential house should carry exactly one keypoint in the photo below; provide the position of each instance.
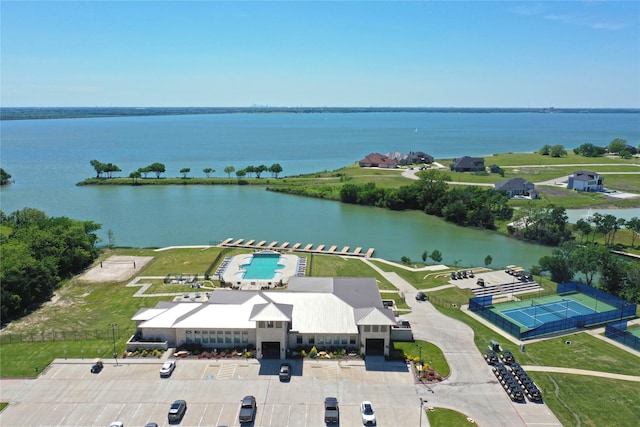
(378, 160)
(468, 164)
(517, 187)
(585, 181)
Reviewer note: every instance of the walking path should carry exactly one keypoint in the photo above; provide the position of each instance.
(562, 370)
(471, 389)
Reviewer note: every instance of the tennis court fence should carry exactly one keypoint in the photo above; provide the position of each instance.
(617, 331)
(624, 309)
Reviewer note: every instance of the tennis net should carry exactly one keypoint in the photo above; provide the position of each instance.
(562, 312)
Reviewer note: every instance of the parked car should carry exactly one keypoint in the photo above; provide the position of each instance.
(177, 411)
(331, 410)
(285, 372)
(454, 276)
(167, 368)
(420, 296)
(151, 425)
(368, 416)
(96, 368)
(480, 281)
(247, 410)
(116, 424)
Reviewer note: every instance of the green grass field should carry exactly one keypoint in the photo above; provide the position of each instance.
(442, 417)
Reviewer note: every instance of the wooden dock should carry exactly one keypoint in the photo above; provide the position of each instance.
(297, 247)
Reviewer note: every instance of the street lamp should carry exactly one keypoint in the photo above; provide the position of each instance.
(113, 330)
(420, 347)
(421, 411)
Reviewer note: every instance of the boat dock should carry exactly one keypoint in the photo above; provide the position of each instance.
(296, 247)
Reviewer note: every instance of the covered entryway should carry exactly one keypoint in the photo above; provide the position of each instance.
(270, 350)
(375, 347)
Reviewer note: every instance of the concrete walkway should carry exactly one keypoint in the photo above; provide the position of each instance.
(562, 370)
(471, 389)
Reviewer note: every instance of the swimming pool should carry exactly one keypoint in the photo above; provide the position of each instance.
(262, 266)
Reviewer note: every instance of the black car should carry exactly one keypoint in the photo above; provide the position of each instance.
(285, 372)
(247, 410)
(420, 296)
(177, 410)
(97, 367)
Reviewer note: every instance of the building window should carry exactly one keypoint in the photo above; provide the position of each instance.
(261, 324)
(374, 328)
(343, 340)
(197, 339)
(205, 337)
(336, 339)
(352, 340)
(189, 336)
(327, 340)
(278, 325)
(383, 328)
(312, 340)
(220, 337)
(269, 323)
(227, 337)
(298, 339)
(245, 337)
(367, 328)
(320, 340)
(236, 337)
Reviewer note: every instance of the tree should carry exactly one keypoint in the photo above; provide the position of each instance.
(241, 173)
(135, 176)
(208, 171)
(4, 177)
(588, 260)
(617, 145)
(405, 260)
(425, 254)
(229, 170)
(157, 168)
(436, 256)
(545, 150)
(259, 169)
(112, 239)
(185, 171)
(584, 228)
(558, 151)
(634, 225)
(275, 169)
(250, 169)
(488, 260)
(589, 150)
(99, 167)
(110, 168)
(559, 263)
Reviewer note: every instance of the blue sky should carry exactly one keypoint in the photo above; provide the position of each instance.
(330, 53)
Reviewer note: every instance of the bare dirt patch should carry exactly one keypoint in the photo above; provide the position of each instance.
(116, 268)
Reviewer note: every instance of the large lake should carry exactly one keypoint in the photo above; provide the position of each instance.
(48, 157)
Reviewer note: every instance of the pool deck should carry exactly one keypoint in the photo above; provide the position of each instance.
(297, 247)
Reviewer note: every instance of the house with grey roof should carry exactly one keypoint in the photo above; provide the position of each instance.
(325, 312)
(517, 187)
(468, 164)
(585, 181)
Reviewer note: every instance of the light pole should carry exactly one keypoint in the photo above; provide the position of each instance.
(113, 330)
(421, 411)
(420, 347)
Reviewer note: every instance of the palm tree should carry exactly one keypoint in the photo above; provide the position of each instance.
(229, 170)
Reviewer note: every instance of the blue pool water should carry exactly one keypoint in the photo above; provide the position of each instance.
(262, 267)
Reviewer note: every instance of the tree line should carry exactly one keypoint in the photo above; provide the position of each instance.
(467, 206)
(617, 146)
(106, 170)
(37, 253)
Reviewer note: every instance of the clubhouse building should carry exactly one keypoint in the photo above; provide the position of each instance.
(325, 312)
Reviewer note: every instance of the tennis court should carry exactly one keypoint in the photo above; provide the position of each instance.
(537, 313)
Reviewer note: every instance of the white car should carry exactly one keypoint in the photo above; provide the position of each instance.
(368, 416)
(116, 424)
(167, 368)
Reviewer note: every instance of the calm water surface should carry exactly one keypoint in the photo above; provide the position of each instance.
(47, 157)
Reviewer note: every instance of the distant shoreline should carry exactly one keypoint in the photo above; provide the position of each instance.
(41, 113)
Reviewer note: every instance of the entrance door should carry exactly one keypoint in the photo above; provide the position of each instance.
(270, 350)
(375, 347)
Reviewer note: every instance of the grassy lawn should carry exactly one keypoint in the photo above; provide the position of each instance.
(590, 401)
(431, 355)
(442, 417)
(419, 279)
(336, 266)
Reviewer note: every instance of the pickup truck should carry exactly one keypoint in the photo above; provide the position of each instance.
(331, 410)
(247, 410)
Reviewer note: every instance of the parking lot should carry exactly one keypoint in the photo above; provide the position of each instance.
(68, 394)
